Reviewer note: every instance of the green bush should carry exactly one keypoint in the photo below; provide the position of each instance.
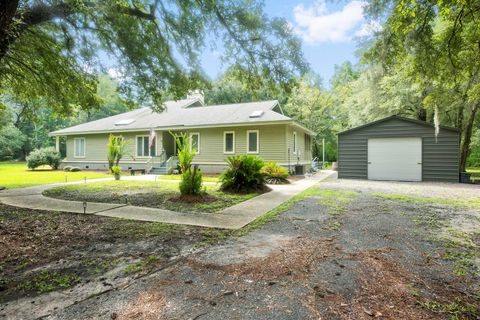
(45, 156)
(67, 168)
(274, 173)
(191, 182)
(244, 174)
(75, 169)
(116, 170)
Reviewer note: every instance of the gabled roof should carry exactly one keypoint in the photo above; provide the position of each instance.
(184, 114)
(419, 122)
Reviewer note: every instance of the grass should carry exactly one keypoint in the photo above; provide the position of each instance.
(472, 203)
(17, 175)
(213, 178)
(455, 310)
(148, 194)
(49, 281)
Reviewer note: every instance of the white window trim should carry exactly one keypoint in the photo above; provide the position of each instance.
(191, 141)
(75, 147)
(248, 142)
(136, 146)
(225, 142)
(295, 143)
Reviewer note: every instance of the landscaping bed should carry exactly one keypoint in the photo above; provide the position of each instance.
(163, 195)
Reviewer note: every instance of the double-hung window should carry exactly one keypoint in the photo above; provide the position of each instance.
(143, 149)
(229, 142)
(79, 148)
(252, 141)
(195, 141)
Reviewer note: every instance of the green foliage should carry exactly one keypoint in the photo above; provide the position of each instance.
(45, 156)
(115, 150)
(274, 173)
(244, 174)
(67, 168)
(191, 183)
(116, 170)
(44, 48)
(75, 169)
(47, 281)
(185, 151)
(11, 142)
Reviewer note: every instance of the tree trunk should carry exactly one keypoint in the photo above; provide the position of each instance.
(8, 9)
(467, 138)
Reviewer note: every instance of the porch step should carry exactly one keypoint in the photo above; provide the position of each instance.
(159, 170)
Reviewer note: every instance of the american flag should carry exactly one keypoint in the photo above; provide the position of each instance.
(151, 137)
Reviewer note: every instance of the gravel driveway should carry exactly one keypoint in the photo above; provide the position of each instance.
(343, 252)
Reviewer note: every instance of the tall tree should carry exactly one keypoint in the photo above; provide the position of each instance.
(435, 44)
(51, 49)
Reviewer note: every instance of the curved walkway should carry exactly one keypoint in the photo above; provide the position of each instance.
(234, 217)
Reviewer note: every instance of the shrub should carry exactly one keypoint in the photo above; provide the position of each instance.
(75, 169)
(191, 182)
(274, 173)
(67, 168)
(45, 156)
(116, 170)
(244, 174)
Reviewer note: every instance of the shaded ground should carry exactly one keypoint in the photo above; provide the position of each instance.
(339, 253)
(44, 253)
(163, 195)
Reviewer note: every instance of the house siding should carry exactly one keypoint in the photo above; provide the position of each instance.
(271, 145)
(440, 155)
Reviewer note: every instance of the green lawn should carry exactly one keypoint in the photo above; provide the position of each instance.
(17, 175)
(474, 171)
(164, 195)
(210, 178)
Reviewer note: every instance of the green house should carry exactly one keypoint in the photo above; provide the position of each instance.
(216, 132)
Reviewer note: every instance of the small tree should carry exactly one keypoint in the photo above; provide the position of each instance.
(191, 178)
(115, 150)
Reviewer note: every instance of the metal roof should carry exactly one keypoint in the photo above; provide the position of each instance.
(419, 122)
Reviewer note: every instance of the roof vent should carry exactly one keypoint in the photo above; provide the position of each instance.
(124, 122)
(256, 114)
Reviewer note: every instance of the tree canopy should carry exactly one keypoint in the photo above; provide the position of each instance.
(53, 49)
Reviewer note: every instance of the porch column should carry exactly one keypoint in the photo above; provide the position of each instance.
(57, 143)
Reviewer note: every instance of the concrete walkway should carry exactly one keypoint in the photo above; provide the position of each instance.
(234, 217)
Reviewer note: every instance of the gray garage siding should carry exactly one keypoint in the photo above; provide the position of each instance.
(440, 155)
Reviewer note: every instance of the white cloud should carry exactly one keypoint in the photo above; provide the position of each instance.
(368, 28)
(114, 73)
(317, 24)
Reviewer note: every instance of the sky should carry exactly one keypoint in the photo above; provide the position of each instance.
(329, 31)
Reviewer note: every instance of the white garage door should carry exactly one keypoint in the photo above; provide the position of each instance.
(395, 159)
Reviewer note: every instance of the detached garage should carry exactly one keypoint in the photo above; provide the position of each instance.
(397, 148)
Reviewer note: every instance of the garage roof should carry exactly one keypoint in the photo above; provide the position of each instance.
(423, 123)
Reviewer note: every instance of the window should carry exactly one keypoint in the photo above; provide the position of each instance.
(229, 142)
(79, 147)
(142, 147)
(195, 141)
(252, 141)
(308, 143)
(295, 145)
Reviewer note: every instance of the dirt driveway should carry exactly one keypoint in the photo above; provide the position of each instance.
(347, 250)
